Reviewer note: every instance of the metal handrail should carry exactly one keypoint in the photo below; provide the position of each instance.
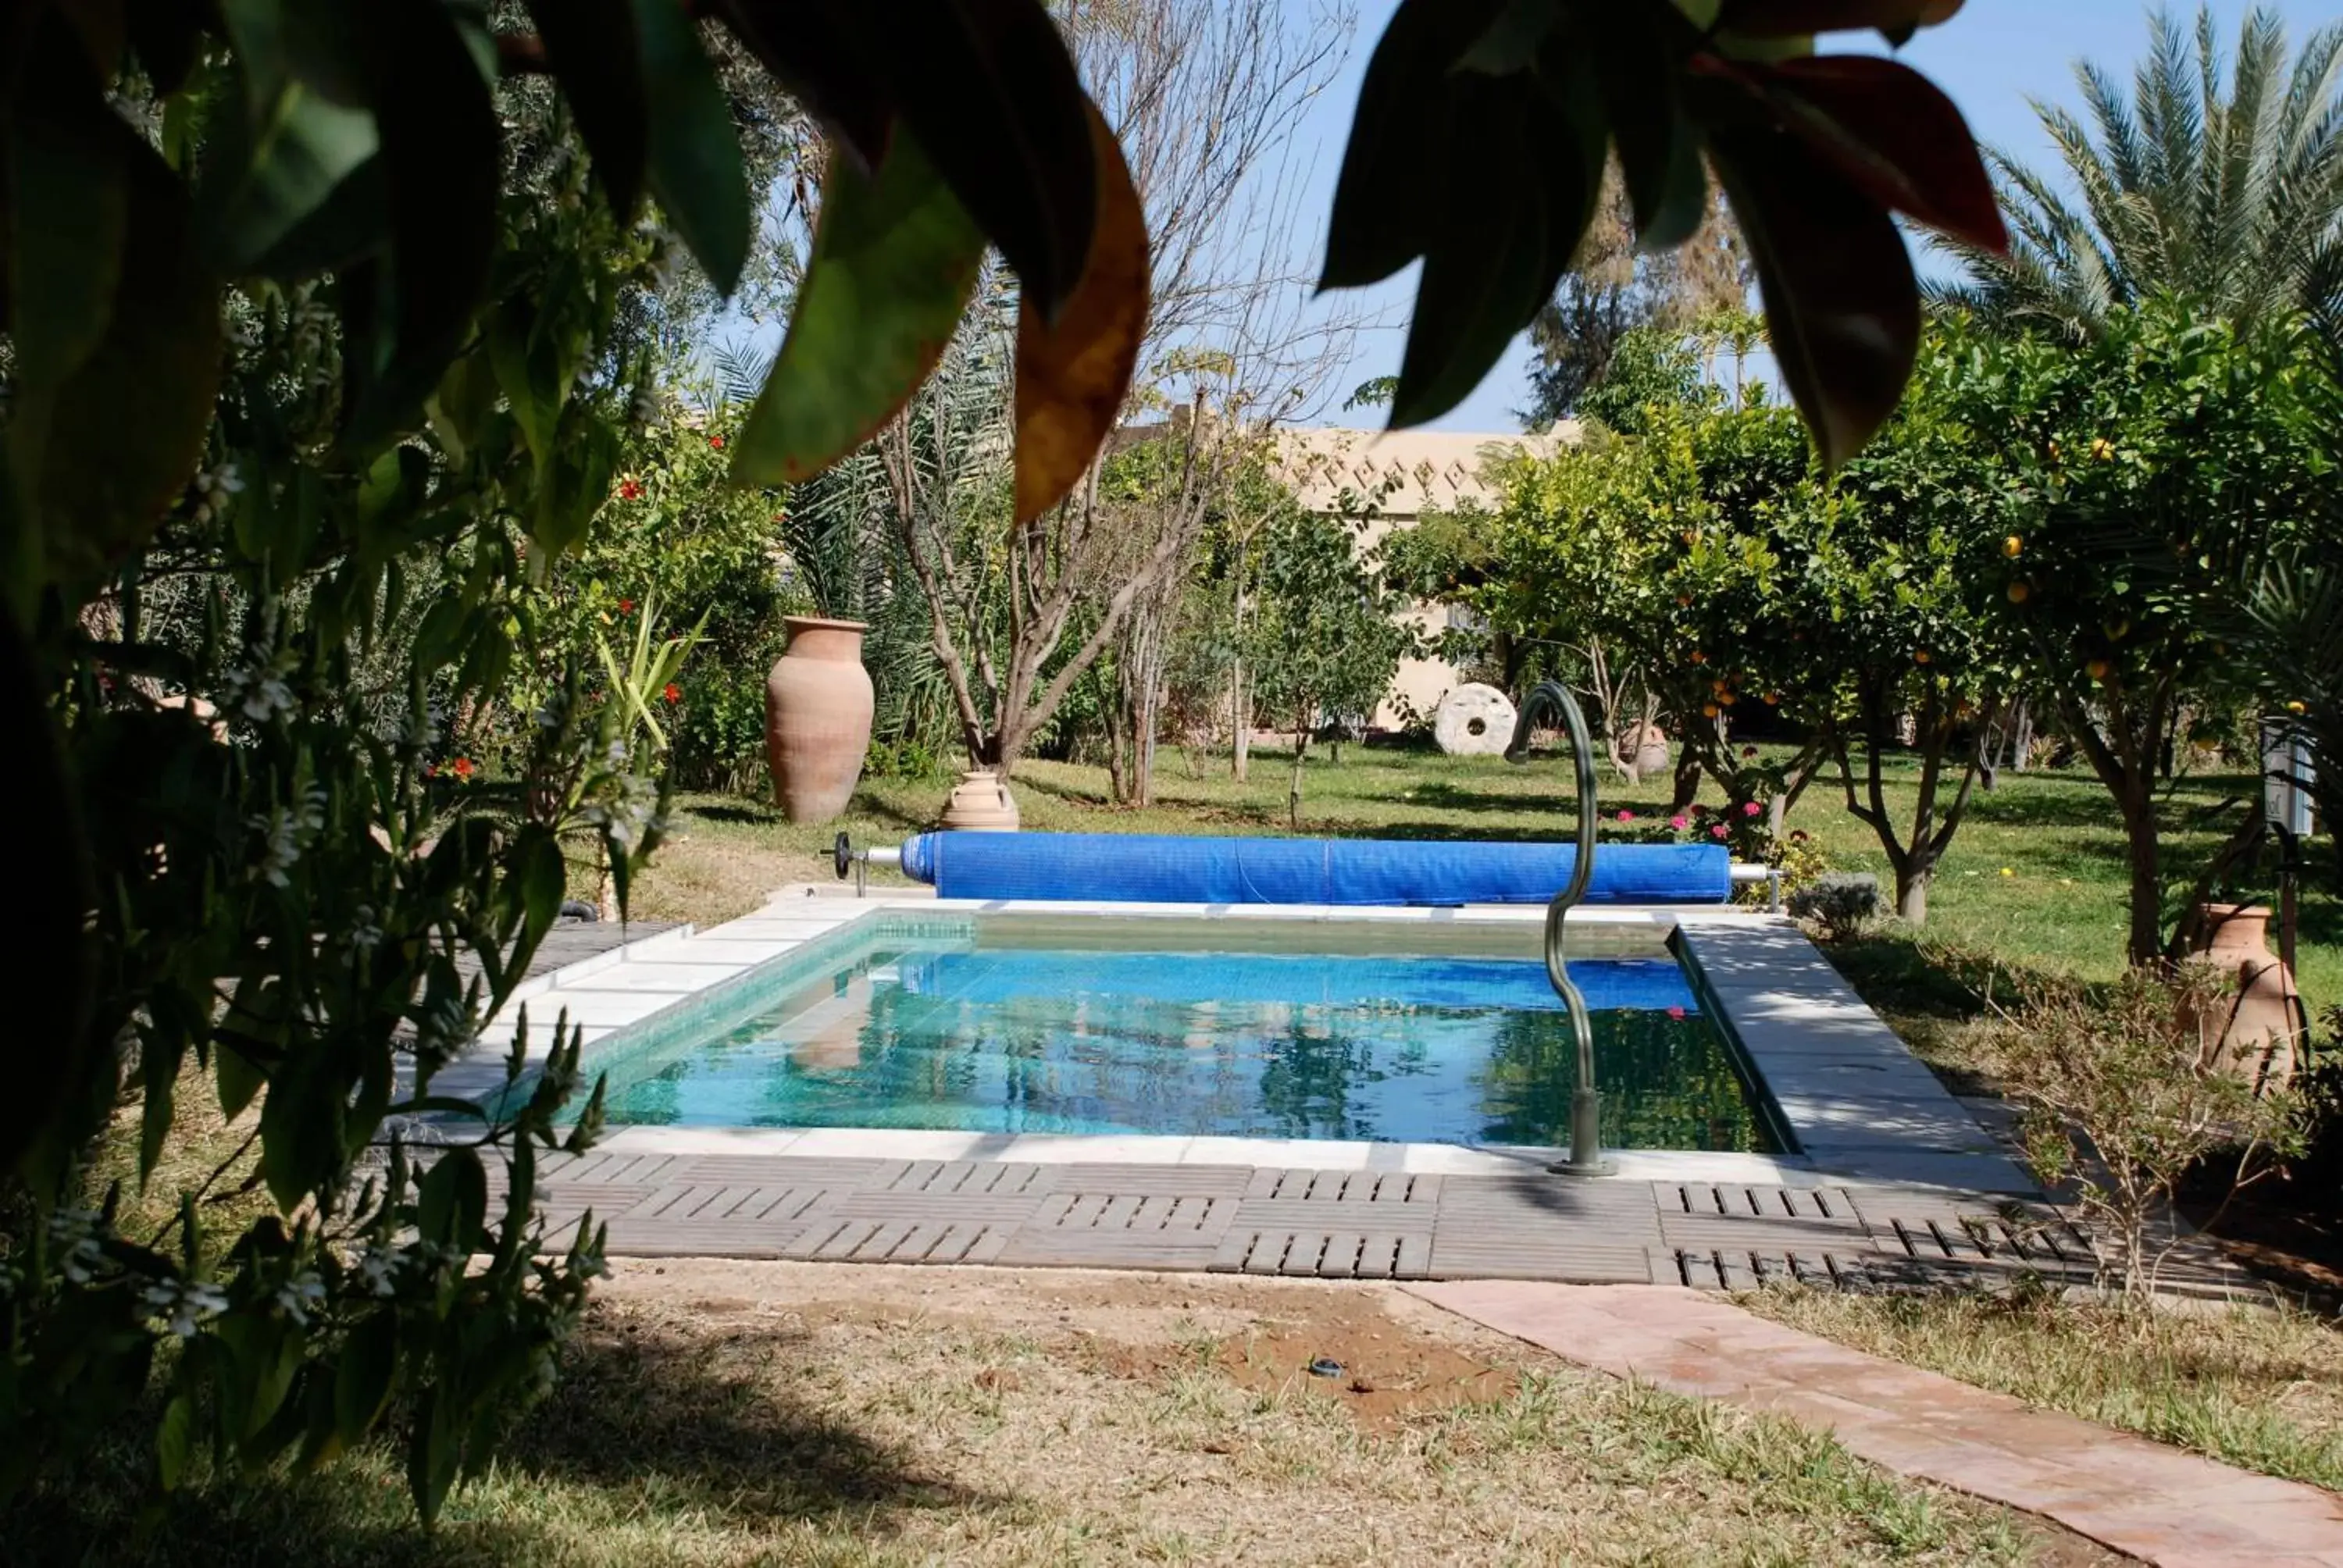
(1585, 1103)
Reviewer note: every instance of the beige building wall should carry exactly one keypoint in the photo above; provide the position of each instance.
(1403, 473)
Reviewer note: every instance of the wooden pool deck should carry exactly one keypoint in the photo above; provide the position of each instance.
(1313, 1223)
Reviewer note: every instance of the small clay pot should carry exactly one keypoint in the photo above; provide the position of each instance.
(818, 708)
(980, 803)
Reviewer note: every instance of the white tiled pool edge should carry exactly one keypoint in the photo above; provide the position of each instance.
(1860, 1105)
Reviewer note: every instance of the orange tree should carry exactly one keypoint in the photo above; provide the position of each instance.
(2149, 477)
(1889, 621)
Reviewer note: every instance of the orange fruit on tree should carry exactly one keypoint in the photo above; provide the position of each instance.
(2013, 547)
(2019, 593)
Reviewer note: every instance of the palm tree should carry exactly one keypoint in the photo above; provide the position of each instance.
(2224, 194)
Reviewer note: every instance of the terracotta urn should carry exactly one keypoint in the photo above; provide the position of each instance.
(1651, 755)
(818, 705)
(980, 803)
(2259, 1039)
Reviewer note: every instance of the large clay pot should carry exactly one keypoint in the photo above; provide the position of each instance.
(817, 704)
(980, 803)
(2262, 1023)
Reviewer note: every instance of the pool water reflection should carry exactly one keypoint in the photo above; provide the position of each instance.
(1115, 1032)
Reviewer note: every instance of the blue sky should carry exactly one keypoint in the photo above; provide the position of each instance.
(1991, 58)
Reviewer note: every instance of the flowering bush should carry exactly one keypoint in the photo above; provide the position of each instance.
(676, 532)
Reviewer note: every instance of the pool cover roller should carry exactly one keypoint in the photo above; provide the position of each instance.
(1131, 867)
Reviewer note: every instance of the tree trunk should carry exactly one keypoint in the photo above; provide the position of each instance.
(1912, 879)
(1118, 762)
(1239, 700)
(2021, 744)
(2146, 943)
(1688, 783)
(1293, 789)
(1240, 721)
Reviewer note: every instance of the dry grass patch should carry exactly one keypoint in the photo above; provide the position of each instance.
(2258, 1387)
(726, 1412)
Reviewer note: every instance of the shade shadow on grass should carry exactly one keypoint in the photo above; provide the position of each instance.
(726, 811)
(1445, 797)
(646, 1425)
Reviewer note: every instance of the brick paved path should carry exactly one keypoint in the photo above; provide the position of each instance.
(2138, 1497)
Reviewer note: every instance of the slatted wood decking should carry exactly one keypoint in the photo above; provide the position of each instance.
(1322, 1224)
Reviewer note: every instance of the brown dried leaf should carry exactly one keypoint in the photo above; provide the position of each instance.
(1073, 374)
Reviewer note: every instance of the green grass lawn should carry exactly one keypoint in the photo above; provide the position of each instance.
(2036, 875)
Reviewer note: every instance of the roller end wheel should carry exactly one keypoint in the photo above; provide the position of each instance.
(843, 855)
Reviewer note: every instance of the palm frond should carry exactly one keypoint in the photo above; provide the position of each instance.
(2217, 176)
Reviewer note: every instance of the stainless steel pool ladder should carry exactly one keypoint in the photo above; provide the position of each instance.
(1585, 1102)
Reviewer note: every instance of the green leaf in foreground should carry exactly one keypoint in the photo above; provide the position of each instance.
(894, 257)
(695, 152)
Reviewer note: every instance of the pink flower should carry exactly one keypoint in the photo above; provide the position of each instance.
(1676, 1013)
(1626, 816)
(1750, 809)
(1719, 831)
(1678, 823)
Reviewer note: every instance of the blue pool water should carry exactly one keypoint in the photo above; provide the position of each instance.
(1122, 1031)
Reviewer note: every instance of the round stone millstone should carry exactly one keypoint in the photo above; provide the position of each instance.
(1474, 720)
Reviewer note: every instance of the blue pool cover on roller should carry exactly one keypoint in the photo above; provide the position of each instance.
(1133, 868)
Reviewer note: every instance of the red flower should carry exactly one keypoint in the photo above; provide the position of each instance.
(626, 607)
(672, 692)
(1719, 831)
(716, 442)
(1750, 809)
(1626, 816)
(461, 767)
(628, 490)
(1676, 1013)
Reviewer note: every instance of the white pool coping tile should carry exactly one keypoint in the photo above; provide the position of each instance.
(1284, 1153)
(679, 978)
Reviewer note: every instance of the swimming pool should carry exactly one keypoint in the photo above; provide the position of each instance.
(1312, 1030)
